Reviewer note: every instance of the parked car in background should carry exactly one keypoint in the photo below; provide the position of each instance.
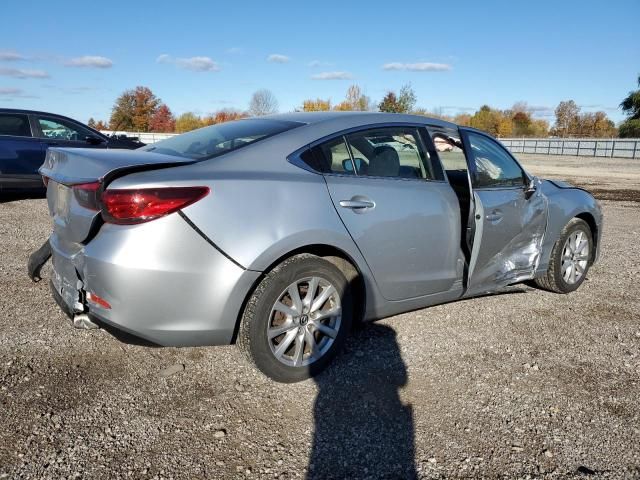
(25, 136)
(277, 232)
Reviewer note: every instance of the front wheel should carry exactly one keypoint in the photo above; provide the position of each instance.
(296, 320)
(570, 259)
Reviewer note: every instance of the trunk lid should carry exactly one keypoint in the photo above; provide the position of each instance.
(66, 167)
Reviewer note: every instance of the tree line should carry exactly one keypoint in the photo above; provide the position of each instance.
(140, 110)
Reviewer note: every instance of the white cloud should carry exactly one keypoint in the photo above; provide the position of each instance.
(9, 56)
(10, 92)
(89, 61)
(318, 63)
(277, 58)
(20, 73)
(195, 64)
(332, 76)
(418, 67)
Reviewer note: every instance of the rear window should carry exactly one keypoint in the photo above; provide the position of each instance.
(217, 139)
(15, 125)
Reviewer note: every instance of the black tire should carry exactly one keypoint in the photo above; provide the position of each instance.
(257, 317)
(553, 280)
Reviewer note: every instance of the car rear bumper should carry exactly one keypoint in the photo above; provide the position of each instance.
(163, 282)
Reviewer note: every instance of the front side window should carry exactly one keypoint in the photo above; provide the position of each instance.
(494, 166)
(57, 129)
(14, 125)
(209, 142)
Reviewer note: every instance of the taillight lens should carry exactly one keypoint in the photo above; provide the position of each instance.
(142, 205)
(88, 195)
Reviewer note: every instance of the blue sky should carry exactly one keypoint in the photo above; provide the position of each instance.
(75, 58)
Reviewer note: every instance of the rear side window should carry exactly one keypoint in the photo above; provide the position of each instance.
(396, 152)
(390, 152)
(15, 125)
(218, 139)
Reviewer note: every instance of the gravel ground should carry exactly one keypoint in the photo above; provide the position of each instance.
(526, 384)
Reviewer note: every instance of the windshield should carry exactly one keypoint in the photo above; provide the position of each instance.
(209, 142)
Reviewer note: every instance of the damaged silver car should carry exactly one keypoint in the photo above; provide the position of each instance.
(278, 233)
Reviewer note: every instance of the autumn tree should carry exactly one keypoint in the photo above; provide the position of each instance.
(263, 102)
(100, 125)
(630, 128)
(355, 100)
(133, 110)
(567, 118)
(162, 120)
(401, 103)
(224, 115)
(188, 121)
(317, 105)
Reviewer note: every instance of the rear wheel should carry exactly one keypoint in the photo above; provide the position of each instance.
(297, 318)
(570, 259)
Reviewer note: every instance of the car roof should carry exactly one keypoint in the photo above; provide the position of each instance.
(363, 118)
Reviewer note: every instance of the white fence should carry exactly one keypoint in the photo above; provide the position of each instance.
(144, 137)
(583, 147)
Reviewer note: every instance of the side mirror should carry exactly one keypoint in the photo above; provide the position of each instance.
(531, 187)
(93, 140)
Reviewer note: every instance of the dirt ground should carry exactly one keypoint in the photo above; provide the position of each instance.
(525, 384)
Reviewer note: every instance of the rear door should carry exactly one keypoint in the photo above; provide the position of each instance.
(20, 153)
(401, 213)
(510, 221)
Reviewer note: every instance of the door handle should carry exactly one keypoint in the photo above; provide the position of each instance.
(494, 216)
(357, 204)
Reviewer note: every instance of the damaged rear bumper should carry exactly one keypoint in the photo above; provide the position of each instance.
(162, 283)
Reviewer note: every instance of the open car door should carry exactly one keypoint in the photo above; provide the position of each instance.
(510, 215)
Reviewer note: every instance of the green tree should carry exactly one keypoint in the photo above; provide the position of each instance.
(389, 103)
(407, 98)
(630, 128)
(188, 121)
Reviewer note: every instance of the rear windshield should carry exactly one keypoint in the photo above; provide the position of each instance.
(209, 142)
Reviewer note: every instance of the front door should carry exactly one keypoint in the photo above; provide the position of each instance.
(510, 219)
(400, 212)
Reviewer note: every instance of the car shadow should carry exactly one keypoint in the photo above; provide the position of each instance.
(6, 197)
(362, 427)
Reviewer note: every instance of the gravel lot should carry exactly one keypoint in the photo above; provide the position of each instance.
(518, 385)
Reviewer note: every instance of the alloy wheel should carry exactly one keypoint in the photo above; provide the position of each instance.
(304, 321)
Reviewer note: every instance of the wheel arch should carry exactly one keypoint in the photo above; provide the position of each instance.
(338, 257)
(593, 226)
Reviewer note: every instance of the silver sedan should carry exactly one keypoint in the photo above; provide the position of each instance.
(279, 233)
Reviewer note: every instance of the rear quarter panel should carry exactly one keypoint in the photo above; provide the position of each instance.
(259, 211)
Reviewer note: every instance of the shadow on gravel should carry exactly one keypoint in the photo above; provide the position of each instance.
(362, 428)
(13, 197)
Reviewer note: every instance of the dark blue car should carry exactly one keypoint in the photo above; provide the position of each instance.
(25, 136)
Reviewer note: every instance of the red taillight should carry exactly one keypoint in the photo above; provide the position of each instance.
(88, 195)
(93, 298)
(142, 205)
